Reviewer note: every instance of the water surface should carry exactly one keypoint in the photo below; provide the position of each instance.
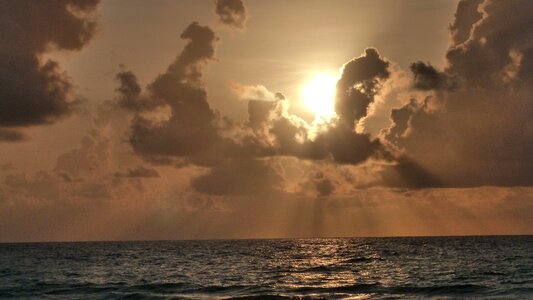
(332, 268)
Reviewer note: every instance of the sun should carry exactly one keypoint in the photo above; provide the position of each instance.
(319, 96)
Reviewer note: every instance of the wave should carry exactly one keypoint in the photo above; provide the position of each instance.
(360, 259)
(377, 288)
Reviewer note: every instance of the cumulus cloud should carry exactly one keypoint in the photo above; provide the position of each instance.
(359, 83)
(479, 132)
(34, 90)
(427, 78)
(194, 132)
(259, 112)
(188, 127)
(284, 134)
(466, 15)
(483, 58)
(231, 13)
(455, 130)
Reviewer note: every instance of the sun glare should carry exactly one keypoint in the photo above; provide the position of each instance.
(319, 94)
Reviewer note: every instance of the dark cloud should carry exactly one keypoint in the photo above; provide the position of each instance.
(466, 16)
(36, 91)
(323, 185)
(426, 78)
(359, 83)
(188, 127)
(129, 91)
(231, 12)
(243, 177)
(406, 173)
(494, 41)
(480, 132)
(348, 147)
(8, 135)
(139, 172)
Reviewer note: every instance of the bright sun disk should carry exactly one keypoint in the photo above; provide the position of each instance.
(319, 96)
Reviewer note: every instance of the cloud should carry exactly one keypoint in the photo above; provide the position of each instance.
(91, 154)
(244, 177)
(41, 185)
(274, 174)
(254, 92)
(479, 132)
(129, 91)
(482, 59)
(139, 172)
(8, 135)
(188, 128)
(283, 134)
(259, 112)
(323, 185)
(36, 91)
(427, 78)
(466, 16)
(231, 13)
(444, 136)
(359, 83)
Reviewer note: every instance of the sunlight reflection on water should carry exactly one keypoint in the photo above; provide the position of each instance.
(327, 268)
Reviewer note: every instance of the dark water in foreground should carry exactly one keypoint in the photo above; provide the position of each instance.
(447, 267)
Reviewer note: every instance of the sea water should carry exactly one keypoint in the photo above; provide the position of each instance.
(330, 268)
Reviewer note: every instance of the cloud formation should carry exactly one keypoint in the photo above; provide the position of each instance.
(231, 13)
(190, 131)
(139, 172)
(8, 135)
(186, 124)
(480, 131)
(187, 171)
(455, 131)
(34, 90)
(359, 83)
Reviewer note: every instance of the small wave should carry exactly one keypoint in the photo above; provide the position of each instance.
(159, 287)
(220, 289)
(317, 269)
(448, 290)
(452, 290)
(355, 288)
(359, 259)
(492, 273)
(44, 288)
(263, 296)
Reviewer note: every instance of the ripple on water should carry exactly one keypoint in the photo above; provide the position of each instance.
(455, 267)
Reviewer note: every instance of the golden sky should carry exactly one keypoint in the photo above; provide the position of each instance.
(132, 119)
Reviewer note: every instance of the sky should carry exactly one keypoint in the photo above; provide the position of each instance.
(151, 120)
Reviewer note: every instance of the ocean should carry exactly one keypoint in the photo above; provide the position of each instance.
(316, 268)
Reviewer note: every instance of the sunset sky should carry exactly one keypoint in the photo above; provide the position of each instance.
(134, 119)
